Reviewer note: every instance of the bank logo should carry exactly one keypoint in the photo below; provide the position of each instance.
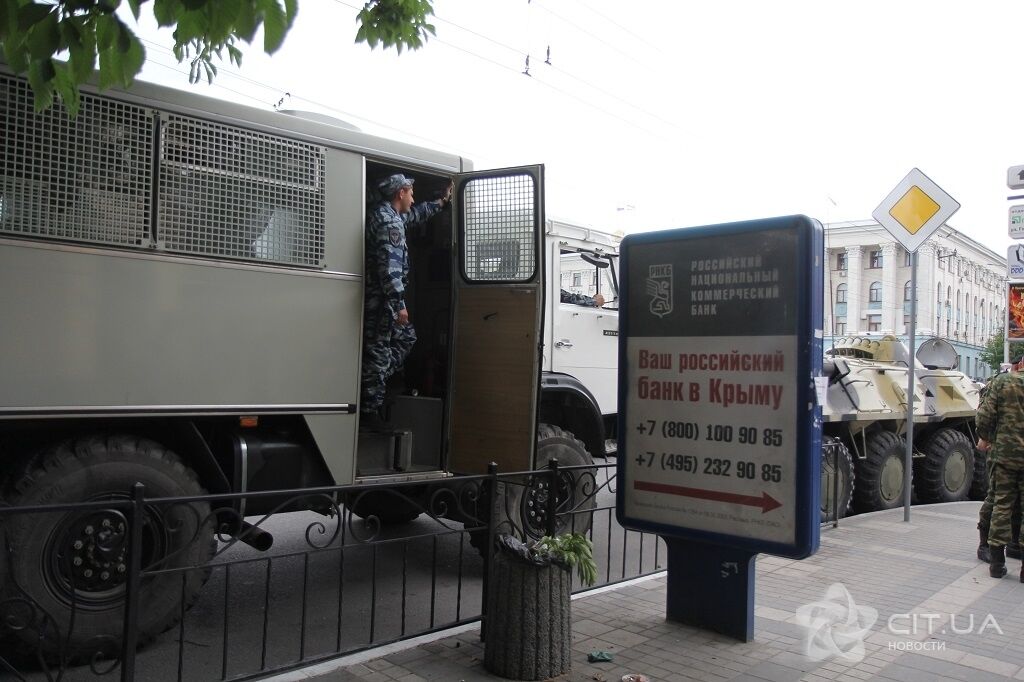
(836, 626)
(659, 288)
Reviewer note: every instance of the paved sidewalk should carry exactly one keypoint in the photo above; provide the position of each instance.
(939, 617)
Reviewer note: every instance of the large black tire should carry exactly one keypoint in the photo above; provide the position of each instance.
(880, 474)
(947, 470)
(979, 482)
(526, 505)
(70, 566)
(834, 449)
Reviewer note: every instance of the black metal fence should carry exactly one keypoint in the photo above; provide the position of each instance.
(144, 588)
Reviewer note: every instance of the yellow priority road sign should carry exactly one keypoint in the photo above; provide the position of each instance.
(914, 209)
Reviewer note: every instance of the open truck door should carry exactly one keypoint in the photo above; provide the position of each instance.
(498, 303)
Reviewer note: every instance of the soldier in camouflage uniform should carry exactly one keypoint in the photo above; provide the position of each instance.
(581, 299)
(388, 334)
(1000, 424)
(1013, 549)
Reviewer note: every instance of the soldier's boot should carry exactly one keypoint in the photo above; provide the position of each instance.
(1013, 547)
(997, 567)
(983, 553)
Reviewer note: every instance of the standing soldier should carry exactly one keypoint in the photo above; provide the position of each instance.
(388, 334)
(1013, 549)
(1001, 433)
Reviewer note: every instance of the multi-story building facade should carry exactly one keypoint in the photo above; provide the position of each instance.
(961, 289)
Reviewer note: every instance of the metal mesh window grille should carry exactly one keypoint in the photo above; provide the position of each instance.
(235, 193)
(83, 179)
(500, 231)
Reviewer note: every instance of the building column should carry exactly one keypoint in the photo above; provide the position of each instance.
(892, 291)
(925, 291)
(854, 274)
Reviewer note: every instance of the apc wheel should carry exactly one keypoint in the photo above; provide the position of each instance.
(836, 460)
(947, 470)
(880, 474)
(526, 505)
(979, 481)
(70, 566)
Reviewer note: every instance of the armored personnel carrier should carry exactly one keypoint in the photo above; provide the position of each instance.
(864, 424)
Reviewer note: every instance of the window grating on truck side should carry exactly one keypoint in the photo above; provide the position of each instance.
(500, 231)
(230, 192)
(82, 179)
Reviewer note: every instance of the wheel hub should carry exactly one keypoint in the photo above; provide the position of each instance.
(955, 471)
(95, 553)
(535, 507)
(892, 478)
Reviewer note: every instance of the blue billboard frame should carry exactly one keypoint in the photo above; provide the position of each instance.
(807, 260)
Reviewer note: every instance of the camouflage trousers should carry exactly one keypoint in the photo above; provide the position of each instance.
(1006, 485)
(386, 345)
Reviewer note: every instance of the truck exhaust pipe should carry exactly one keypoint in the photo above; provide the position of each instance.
(254, 536)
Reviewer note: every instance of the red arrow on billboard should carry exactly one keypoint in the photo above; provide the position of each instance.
(766, 502)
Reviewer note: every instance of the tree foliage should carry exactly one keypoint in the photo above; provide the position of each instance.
(993, 353)
(89, 34)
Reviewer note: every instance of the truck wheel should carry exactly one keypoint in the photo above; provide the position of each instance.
(979, 481)
(947, 470)
(523, 506)
(880, 474)
(526, 505)
(836, 460)
(70, 566)
(392, 509)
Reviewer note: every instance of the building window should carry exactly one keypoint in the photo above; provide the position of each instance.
(875, 292)
(906, 291)
(875, 259)
(908, 258)
(841, 293)
(906, 323)
(577, 279)
(840, 326)
(874, 323)
(841, 260)
(942, 261)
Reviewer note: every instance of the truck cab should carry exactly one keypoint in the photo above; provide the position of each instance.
(580, 359)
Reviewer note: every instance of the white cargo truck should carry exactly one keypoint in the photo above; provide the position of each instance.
(581, 342)
(182, 299)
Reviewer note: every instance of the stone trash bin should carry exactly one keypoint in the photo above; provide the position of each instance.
(529, 624)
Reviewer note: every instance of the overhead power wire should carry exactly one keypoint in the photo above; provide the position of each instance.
(643, 41)
(526, 70)
(279, 92)
(611, 46)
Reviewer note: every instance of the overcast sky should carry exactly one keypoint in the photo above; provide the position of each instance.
(670, 114)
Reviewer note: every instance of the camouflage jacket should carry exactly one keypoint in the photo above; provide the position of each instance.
(1000, 418)
(577, 299)
(387, 258)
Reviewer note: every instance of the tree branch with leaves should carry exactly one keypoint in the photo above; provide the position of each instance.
(58, 44)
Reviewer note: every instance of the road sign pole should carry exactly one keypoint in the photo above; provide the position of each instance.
(909, 456)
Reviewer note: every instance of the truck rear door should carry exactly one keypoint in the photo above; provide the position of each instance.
(498, 302)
